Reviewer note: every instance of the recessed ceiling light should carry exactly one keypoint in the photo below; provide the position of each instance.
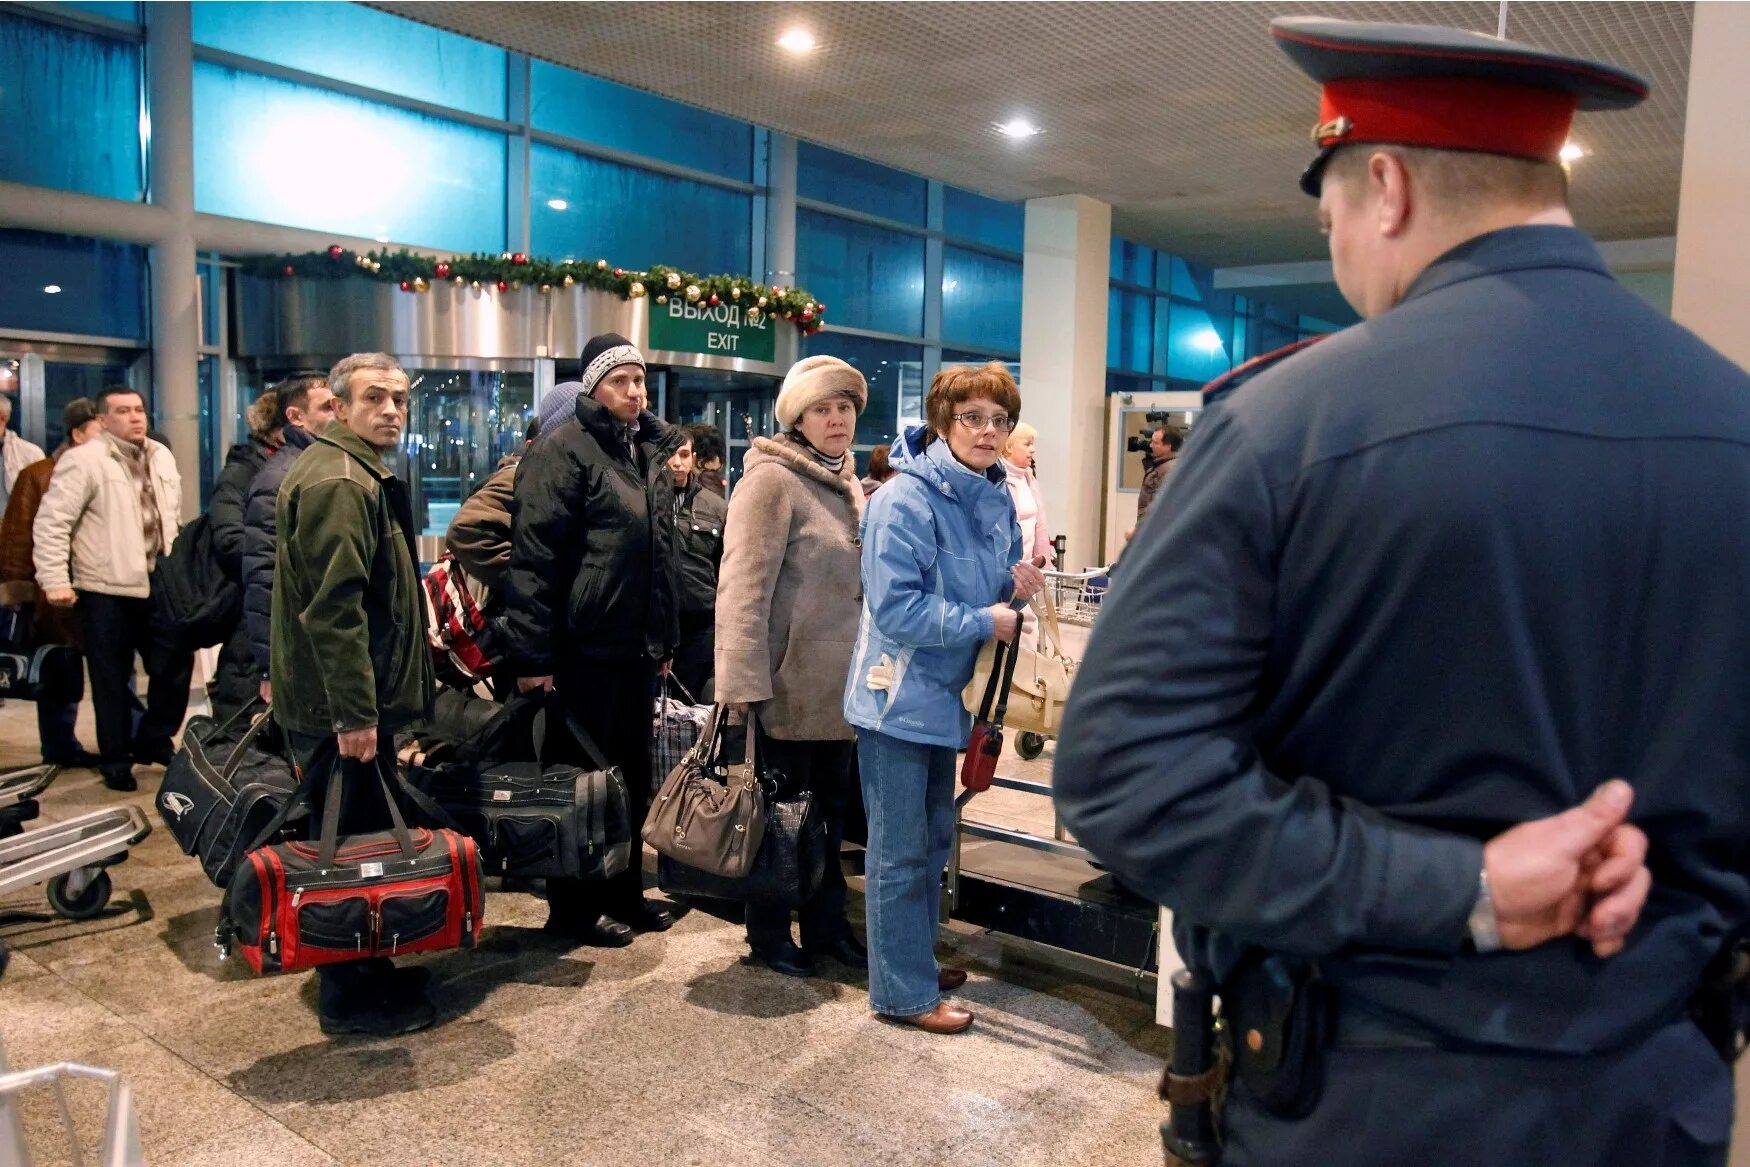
(558, 204)
(53, 289)
(1017, 128)
(797, 40)
(1572, 152)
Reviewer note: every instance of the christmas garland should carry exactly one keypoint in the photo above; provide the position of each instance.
(511, 270)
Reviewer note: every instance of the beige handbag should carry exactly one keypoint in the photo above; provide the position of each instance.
(1042, 676)
(708, 815)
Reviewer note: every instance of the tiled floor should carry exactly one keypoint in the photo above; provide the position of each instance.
(671, 1051)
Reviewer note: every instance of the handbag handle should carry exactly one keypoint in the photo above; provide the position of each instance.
(1046, 608)
(1002, 677)
(670, 682)
(234, 759)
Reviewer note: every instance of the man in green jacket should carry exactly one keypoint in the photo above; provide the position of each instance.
(349, 664)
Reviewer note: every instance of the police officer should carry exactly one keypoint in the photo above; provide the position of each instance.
(1425, 588)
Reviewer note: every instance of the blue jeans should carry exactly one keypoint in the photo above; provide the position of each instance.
(908, 790)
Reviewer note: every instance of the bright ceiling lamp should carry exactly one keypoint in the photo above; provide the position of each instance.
(797, 40)
(558, 204)
(1018, 128)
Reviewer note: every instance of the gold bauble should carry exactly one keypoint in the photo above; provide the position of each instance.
(636, 290)
(601, 265)
(568, 281)
(662, 299)
(692, 291)
(674, 279)
(762, 302)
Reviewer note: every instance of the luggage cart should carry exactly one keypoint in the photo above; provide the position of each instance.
(69, 856)
(121, 1132)
(1076, 596)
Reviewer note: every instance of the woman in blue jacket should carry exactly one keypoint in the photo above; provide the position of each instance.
(941, 568)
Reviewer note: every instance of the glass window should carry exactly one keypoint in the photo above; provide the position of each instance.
(1132, 262)
(459, 425)
(830, 177)
(895, 375)
(1195, 348)
(64, 283)
(70, 108)
(1127, 383)
(1128, 327)
(981, 300)
(868, 277)
(114, 9)
(65, 380)
(350, 42)
(972, 216)
(1181, 279)
(957, 357)
(588, 208)
(267, 150)
(564, 101)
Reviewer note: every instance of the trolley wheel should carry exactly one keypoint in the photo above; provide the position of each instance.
(86, 904)
(1030, 745)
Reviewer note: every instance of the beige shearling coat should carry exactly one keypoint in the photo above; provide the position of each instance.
(790, 592)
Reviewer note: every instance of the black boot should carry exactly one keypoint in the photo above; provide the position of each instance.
(649, 916)
(784, 957)
(846, 949)
(597, 931)
(120, 778)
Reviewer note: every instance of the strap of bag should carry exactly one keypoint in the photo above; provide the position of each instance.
(300, 798)
(1046, 607)
(235, 758)
(1010, 655)
(596, 758)
(670, 682)
(330, 840)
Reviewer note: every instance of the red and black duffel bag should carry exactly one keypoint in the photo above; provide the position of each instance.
(294, 906)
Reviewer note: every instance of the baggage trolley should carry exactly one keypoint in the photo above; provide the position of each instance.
(121, 1132)
(1076, 596)
(69, 856)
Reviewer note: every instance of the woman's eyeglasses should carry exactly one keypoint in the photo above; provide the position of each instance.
(975, 422)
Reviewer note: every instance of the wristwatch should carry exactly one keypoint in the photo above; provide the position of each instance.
(1485, 929)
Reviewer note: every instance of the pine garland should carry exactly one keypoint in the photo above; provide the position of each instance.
(511, 270)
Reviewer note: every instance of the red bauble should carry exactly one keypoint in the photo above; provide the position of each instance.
(519, 258)
(820, 309)
(713, 301)
(287, 270)
(807, 317)
(503, 287)
(406, 286)
(619, 273)
(443, 270)
(335, 252)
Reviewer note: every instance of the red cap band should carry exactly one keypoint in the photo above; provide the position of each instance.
(1447, 113)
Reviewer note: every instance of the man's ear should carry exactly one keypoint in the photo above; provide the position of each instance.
(1388, 181)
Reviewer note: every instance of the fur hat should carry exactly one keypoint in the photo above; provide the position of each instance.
(815, 379)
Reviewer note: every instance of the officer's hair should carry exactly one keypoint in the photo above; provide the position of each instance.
(1459, 180)
(958, 384)
(340, 376)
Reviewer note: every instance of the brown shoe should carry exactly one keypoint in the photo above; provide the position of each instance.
(944, 1018)
(949, 979)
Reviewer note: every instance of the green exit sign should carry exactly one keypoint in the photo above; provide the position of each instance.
(723, 331)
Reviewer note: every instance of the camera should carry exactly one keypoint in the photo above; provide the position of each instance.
(1177, 423)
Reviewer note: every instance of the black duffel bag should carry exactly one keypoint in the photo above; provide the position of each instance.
(539, 822)
(50, 673)
(220, 790)
(197, 602)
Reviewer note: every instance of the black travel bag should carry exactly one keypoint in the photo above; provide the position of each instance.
(220, 790)
(51, 673)
(538, 821)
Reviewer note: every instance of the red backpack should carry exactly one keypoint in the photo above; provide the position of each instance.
(455, 618)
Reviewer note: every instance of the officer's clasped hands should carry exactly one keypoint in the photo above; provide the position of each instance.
(1579, 873)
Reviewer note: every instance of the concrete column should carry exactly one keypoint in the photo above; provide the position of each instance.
(1711, 290)
(1063, 361)
(781, 211)
(175, 298)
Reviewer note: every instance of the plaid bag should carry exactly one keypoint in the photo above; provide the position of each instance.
(675, 725)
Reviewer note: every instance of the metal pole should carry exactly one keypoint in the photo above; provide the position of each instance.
(1501, 22)
(781, 211)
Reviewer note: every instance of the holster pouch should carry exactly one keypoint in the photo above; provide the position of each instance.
(1721, 1006)
(1194, 1082)
(1281, 1016)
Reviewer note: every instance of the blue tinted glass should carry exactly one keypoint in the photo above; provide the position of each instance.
(1127, 383)
(350, 42)
(867, 276)
(1312, 325)
(831, 177)
(981, 300)
(972, 216)
(102, 285)
(564, 101)
(212, 426)
(264, 150)
(1197, 349)
(894, 372)
(953, 357)
(1132, 262)
(1182, 278)
(1239, 347)
(586, 208)
(114, 9)
(69, 109)
(1128, 319)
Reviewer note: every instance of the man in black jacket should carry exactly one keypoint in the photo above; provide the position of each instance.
(306, 406)
(699, 515)
(233, 683)
(592, 604)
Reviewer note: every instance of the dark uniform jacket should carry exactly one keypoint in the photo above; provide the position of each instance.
(259, 548)
(1443, 573)
(699, 519)
(225, 512)
(349, 647)
(592, 572)
(479, 535)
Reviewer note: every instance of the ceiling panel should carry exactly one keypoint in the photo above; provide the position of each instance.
(1183, 116)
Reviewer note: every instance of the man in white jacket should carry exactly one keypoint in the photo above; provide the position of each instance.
(15, 452)
(111, 511)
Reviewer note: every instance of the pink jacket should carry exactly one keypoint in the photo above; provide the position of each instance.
(1029, 511)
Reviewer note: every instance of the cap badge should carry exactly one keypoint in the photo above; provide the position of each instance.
(1338, 127)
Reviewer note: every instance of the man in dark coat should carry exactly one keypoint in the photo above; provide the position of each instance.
(699, 517)
(1423, 591)
(349, 659)
(305, 408)
(234, 680)
(592, 605)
